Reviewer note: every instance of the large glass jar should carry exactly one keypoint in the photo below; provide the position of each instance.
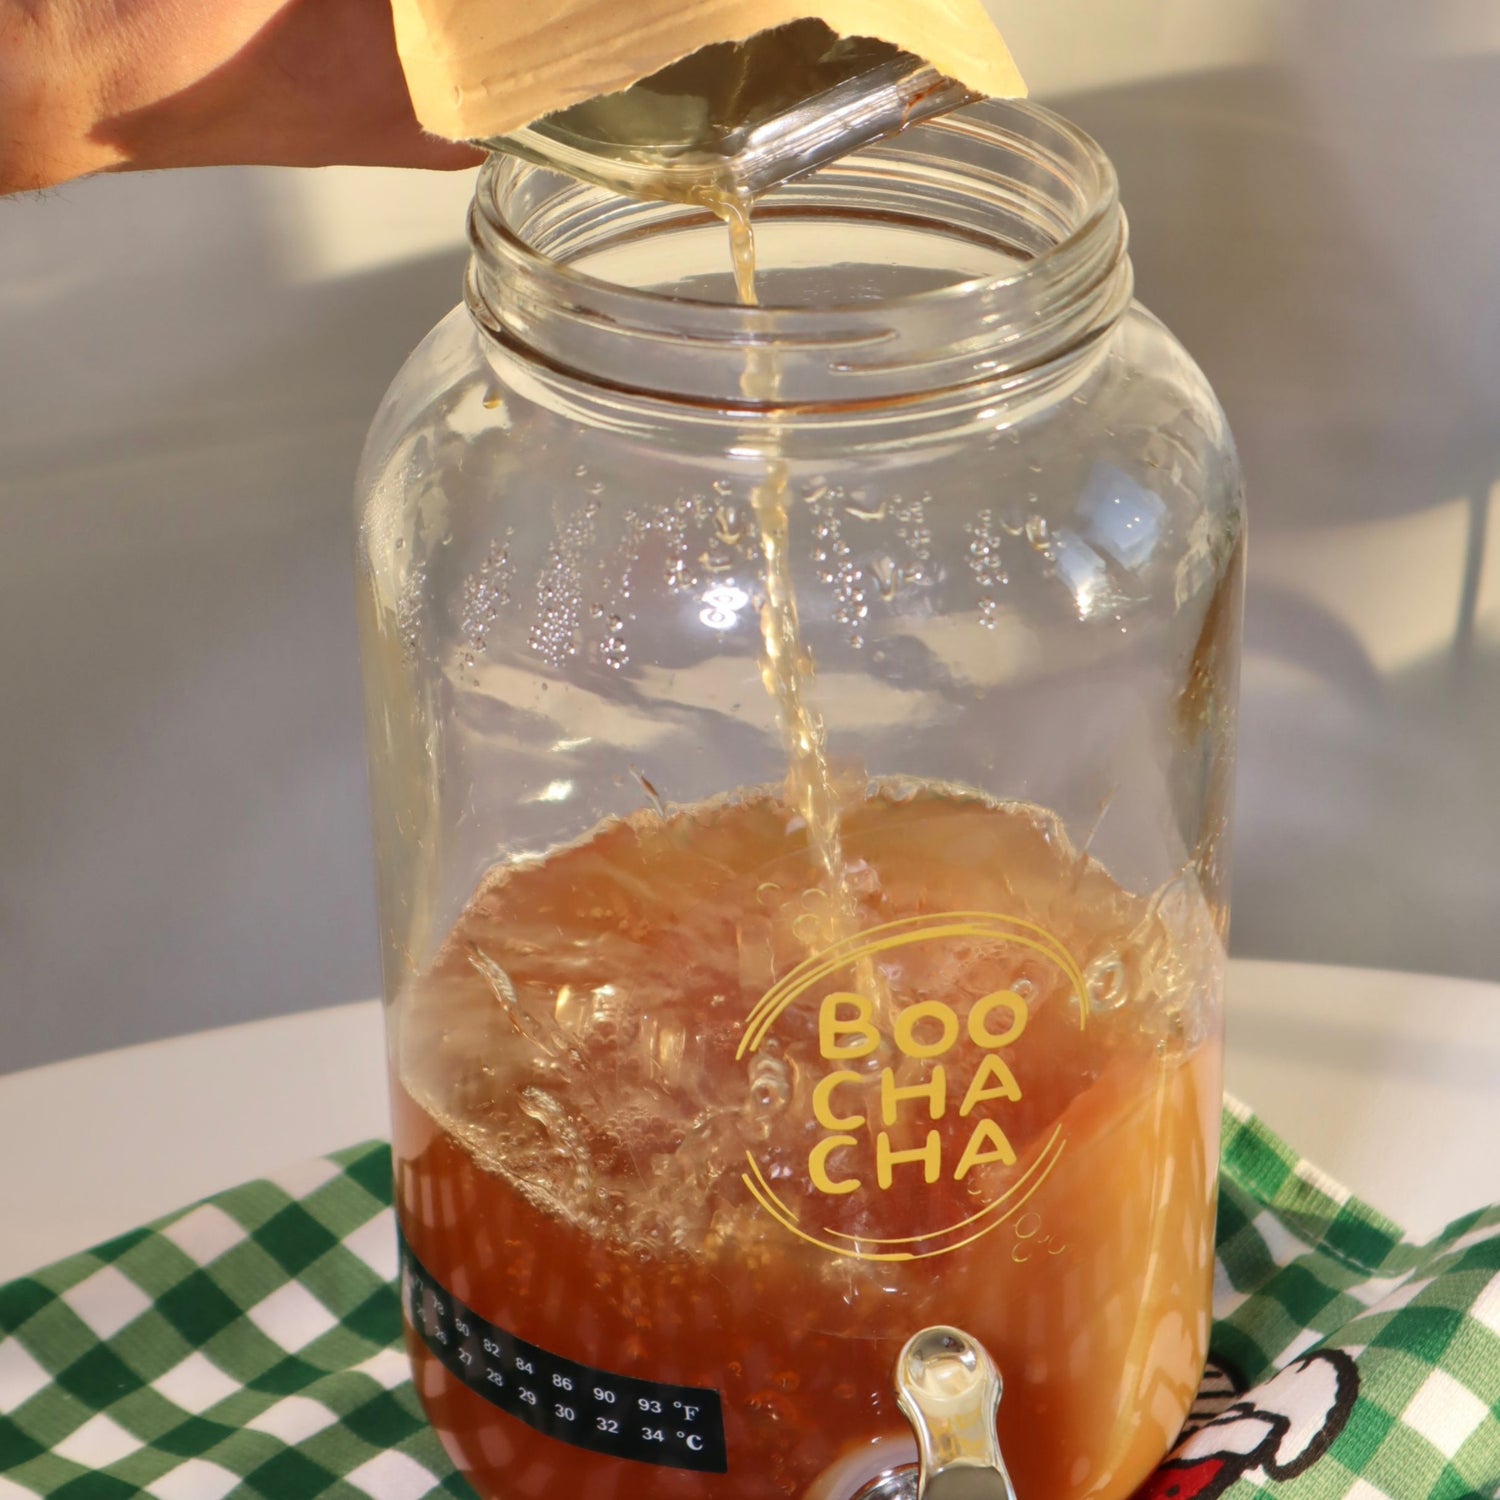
(801, 742)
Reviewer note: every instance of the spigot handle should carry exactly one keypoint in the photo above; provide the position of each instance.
(949, 1389)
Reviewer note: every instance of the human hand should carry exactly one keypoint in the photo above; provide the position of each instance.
(114, 85)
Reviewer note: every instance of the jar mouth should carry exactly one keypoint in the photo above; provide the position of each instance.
(986, 243)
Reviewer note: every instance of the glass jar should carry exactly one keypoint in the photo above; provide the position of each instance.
(713, 1082)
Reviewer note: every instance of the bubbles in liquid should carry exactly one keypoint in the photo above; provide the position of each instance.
(826, 537)
(616, 654)
(614, 650)
(485, 592)
(985, 551)
(619, 572)
(564, 1136)
(770, 1084)
(849, 603)
(671, 521)
(1105, 981)
(811, 928)
(834, 561)
(409, 611)
(985, 559)
(916, 537)
(559, 595)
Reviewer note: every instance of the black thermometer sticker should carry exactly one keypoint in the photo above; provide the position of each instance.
(674, 1426)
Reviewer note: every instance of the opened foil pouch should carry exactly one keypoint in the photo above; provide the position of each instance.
(657, 99)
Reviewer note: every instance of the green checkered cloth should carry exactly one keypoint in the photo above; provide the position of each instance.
(251, 1346)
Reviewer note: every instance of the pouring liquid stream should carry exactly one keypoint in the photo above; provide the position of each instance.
(787, 669)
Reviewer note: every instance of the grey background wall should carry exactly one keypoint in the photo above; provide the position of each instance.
(188, 362)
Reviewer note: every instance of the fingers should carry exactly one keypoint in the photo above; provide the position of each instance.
(317, 83)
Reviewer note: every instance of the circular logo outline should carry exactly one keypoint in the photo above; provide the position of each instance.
(904, 932)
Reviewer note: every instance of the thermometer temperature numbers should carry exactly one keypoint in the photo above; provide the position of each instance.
(674, 1426)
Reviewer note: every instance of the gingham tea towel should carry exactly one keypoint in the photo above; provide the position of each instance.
(1345, 1363)
(250, 1346)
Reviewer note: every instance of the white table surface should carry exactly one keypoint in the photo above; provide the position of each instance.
(1389, 1082)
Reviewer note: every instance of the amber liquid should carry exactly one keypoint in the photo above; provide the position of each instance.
(579, 1122)
(787, 670)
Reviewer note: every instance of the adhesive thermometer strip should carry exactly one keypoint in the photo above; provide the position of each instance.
(672, 1426)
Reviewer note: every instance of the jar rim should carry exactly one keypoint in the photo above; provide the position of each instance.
(1030, 183)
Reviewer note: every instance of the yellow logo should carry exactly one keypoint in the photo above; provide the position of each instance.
(862, 1115)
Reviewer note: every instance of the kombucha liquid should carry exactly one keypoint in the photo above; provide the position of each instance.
(787, 670)
(582, 1133)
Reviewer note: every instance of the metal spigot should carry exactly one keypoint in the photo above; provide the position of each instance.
(949, 1389)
